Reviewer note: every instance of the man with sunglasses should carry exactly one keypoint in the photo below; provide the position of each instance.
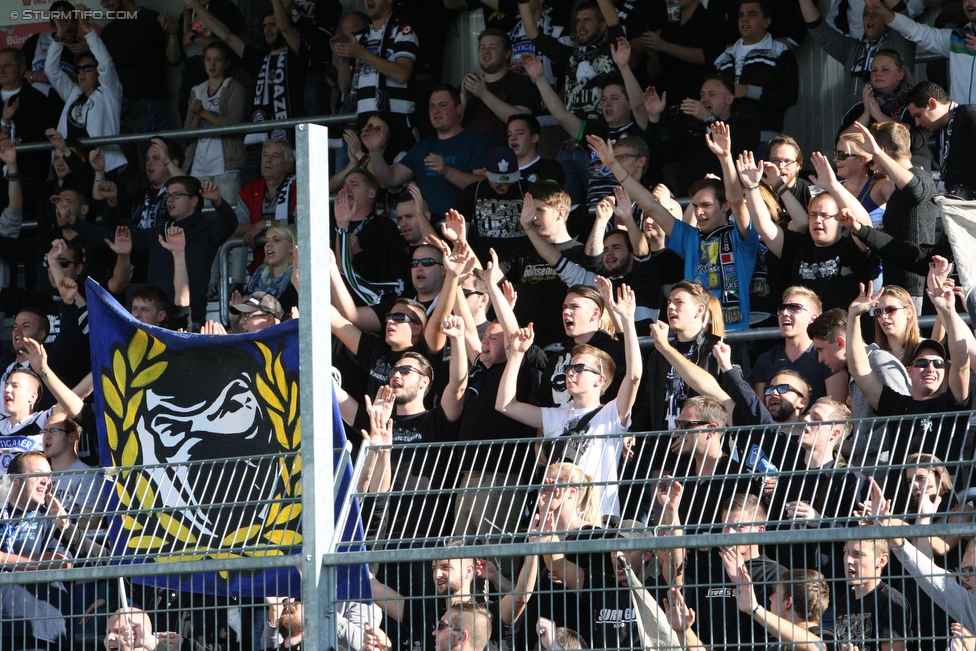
(939, 381)
(799, 309)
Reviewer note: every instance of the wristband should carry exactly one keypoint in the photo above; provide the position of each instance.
(99, 180)
(755, 610)
(746, 187)
(13, 176)
(43, 375)
(780, 189)
(168, 162)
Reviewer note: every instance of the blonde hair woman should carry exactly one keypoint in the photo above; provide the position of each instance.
(896, 322)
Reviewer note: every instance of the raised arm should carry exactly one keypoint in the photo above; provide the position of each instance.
(505, 401)
(944, 300)
(827, 180)
(751, 175)
(286, 27)
(503, 310)
(175, 243)
(640, 194)
(377, 474)
(720, 143)
(857, 357)
(604, 213)
(454, 263)
(703, 382)
(621, 52)
(572, 124)
(453, 397)
(898, 173)
(625, 306)
(122, 272)
(797, 211)
(219, 29)
(68, 401)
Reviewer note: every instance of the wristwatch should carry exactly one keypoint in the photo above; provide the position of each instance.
(711, 119)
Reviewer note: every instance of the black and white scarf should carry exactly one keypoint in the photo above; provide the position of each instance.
(894, 102)
(862, 67)
(272, 100)
(944, 137)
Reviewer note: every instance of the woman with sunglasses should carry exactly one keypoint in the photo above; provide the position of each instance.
(854, 169)
(896, 322)
(93, 105)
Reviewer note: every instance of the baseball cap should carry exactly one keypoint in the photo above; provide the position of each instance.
(259, 301)
(933, 345)
(502, 165)
(634, 529)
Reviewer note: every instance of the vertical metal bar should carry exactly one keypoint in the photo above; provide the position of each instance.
(312, 217)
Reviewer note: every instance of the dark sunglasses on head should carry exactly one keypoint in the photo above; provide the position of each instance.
(471, 292)
(88, 67)
(401, 317)
(924, 363)
(423, 262)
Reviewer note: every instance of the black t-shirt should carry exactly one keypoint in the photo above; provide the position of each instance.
(377, 358)
(720, 623)
(482, 423)
(807, 365)
(834, 272)
(939, 435)
(514, 90)
(544, 169)
(540, 290)
(881, 615)
(493, 219)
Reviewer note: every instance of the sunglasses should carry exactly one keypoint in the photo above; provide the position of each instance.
(579, 368)
(423, 262)
(65, 262)
(688, 424)
(447, 626)
(471, 292)
(405, 369)
(88, 67)
(887, 309)
(843, 155)
(781, 389)
(924, 363)
(792, 308)
(401, 317)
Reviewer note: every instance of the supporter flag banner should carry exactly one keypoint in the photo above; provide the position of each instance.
(205, 431)
(959, 218)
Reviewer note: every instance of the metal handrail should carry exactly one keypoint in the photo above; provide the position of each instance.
(223, 254)
(231, 130)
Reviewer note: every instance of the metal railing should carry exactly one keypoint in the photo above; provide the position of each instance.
(225, 534)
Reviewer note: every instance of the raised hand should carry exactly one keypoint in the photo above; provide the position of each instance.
(745, 591)
(97, 160)
(213, 328)
(825, 176)
(533, 66)
(452, 326)
(522, 339)
(453, 226)
(626, 303)
(865, 300)
(108, 190)
(668, 493)
(749, 172)
(37, 355)
(8, 153)
(380, 420)
(343, 208)
(654, 104)
(58, 247)
(659, 332)
(623, 208)
(494, 272)
(680, 616)
(939, 268)
(175, 240)
(527, 217)
(870, 145)
(211, 192)
(167, 23)
(354, 147)
(604, 210)
(603, 149)
(68, 289)
(56, 140)
(474, 84)
(511, 296)
(122, 244)
(694, 108)
(722, 352)
(771, 174)
(620, 52)
(720, 140)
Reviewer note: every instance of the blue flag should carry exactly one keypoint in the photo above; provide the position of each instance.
(205, 431)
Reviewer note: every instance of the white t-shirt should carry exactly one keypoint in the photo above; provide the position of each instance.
(25, 436)
(739, 51)
(601, 456)
(208, 159)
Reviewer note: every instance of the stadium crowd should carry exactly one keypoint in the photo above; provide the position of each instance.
(495, 262)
